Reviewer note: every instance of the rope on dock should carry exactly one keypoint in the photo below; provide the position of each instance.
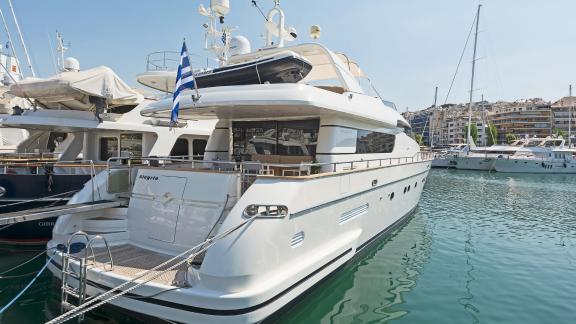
(110, 295)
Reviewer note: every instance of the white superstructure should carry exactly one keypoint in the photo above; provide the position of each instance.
(297, 178)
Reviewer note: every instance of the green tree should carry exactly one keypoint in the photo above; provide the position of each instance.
(492, 134)
(418, 138)
(559, 132)
(510, 138)
(473, 132)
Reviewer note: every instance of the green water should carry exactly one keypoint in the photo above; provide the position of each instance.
(481, 248)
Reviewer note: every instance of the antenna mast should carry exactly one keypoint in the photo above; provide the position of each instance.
(472, 79)
(61, 48)
(21, 38)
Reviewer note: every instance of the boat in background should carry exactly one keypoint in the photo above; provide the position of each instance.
(73, 137)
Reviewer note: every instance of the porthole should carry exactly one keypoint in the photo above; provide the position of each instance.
(409, 188)
(405, 189)
(415, 184)
(391, 196)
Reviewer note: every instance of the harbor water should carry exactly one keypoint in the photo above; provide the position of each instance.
(481, 248)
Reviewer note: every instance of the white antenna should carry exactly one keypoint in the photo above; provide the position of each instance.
(217, 40)
(21, 38)
(472, 79)
(61, 48)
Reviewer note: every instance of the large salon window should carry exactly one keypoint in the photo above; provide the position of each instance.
(252, 140)
(130, 145)
(108, 148)
(374, 142)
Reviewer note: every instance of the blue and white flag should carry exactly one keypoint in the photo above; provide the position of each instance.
(184, 80)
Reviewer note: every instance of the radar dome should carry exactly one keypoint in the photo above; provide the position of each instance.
(71, 64)
(220, 7)
(239, 45)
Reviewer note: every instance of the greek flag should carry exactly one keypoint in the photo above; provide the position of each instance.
(184, 80)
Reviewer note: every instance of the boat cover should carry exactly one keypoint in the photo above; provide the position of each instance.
(73, 90)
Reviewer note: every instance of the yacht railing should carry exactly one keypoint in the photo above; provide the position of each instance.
(169, 60)
(12, 156)
(121, 176)
(48, 167)
(162, 61)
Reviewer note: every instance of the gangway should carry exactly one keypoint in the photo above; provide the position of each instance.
(55, 211)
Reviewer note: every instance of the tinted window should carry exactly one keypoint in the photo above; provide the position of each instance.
(180, 148)
(198, 148)
(108, 148)
(294, 138)
(297, 138)
(130, 145)
(374, 142)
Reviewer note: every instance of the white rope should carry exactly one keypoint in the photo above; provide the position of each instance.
(108, 296)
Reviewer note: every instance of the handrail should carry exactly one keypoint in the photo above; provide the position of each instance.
(243, 168)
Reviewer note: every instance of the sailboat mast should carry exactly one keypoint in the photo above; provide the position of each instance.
(472, 78)
(431, 131)
(21, 38)
(570, 120)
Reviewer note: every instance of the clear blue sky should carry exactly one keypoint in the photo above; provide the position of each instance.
(407, 47)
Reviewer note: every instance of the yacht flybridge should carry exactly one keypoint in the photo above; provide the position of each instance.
(297, 178)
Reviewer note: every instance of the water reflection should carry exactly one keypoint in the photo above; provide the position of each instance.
(372, 287)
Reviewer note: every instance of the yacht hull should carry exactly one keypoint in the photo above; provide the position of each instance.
(533, 166)
(29, 191)
(474, 163)
(260, 278)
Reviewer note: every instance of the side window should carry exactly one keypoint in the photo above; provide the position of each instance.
(374, 142)
(198, 148)
(180, 148)
(108, 148)
(130, 145)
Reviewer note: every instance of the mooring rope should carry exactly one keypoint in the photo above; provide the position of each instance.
(27, 286)
(24, 263)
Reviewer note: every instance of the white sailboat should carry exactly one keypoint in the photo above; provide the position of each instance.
(297, 179)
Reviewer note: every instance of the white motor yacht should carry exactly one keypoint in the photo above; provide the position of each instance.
(482, 158)
(550, 157)
(298, 178)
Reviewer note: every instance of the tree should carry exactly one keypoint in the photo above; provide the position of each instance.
(559, 132)
(418, 138)
(492, 134)
(510, 138)
(473, 132)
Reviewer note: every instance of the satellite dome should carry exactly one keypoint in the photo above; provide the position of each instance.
(239, 45)
(71, 64)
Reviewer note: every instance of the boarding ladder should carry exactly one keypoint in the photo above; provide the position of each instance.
(68, 290)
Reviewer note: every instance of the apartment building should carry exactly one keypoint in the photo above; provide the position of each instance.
(561, 111)
(523, 118)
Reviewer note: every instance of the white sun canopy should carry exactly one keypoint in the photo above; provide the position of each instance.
(72, 90)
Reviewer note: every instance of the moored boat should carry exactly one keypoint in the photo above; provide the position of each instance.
(297, 179)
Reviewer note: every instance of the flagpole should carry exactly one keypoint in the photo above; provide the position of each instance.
(197, 97)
